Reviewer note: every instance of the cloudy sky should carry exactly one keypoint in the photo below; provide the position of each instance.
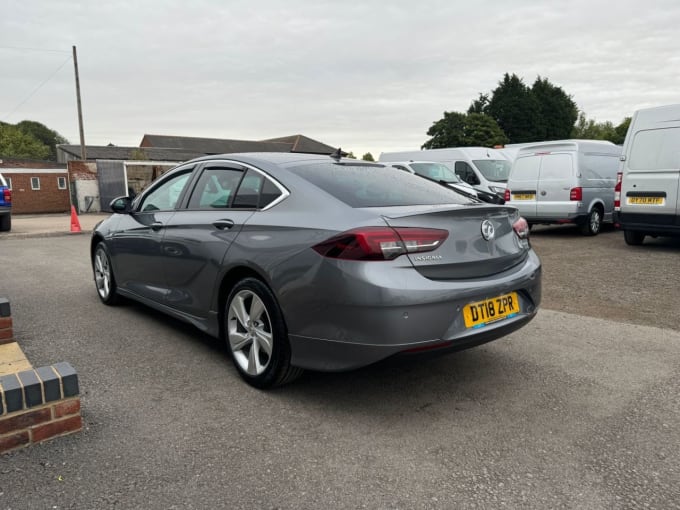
(366, 76)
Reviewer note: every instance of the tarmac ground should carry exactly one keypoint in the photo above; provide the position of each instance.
(48, 225)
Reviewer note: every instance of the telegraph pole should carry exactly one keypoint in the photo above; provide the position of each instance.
(83, 152)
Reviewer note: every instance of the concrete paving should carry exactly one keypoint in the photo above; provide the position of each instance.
(49, 225)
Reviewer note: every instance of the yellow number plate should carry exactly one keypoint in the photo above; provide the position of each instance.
(524, 196)
(481, 313)
(645, 200)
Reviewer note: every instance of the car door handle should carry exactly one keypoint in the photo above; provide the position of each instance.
(223, 224)
(156, 226)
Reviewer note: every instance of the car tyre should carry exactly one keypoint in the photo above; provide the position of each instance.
(5, 223)
(103, 275)
(633, 237)
(257, 336)
(593, 223)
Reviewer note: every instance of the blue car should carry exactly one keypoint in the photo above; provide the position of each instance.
(5, 206)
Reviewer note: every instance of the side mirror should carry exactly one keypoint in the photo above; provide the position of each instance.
(121, 205)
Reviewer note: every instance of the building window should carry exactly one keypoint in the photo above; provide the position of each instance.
(61, 182)
(35, 183)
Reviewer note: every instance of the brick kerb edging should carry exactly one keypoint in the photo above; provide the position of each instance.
(6, 332)
(36, 404)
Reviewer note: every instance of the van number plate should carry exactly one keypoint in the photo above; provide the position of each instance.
(524, 196)
(482, 313)
(646, 200)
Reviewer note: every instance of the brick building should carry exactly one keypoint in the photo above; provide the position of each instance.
(37, 186)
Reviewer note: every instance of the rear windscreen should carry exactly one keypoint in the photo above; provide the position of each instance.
(655, 149)
(360, 185)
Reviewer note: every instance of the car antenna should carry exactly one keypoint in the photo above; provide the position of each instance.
(338, 154)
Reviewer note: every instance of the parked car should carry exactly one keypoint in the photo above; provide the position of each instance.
(5, 206)
(439, 172)
(483, 168)
(306, 261)
(648, 186)
(565, 181)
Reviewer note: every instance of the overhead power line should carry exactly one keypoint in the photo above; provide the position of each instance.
(37, 88)
(32, 49)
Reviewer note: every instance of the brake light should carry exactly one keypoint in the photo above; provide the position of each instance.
(7, 195)
(381, 243)
(617, 191)
(506, 196)
(576, 194)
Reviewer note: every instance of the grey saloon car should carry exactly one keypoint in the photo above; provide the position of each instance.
(304, 261)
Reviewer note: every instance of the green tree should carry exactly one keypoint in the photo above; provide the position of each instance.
(482, 130)
(557, 109)
(480, 104)
(589, 129)
(517, 110)
(368, 157)
(14, 143)
(43, 134)
(457, 129)
(621, 130)
(449, 131)
(350, 155)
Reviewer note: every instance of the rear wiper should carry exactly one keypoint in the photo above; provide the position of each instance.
(459, 191)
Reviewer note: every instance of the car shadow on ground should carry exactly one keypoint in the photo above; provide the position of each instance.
(413, 380)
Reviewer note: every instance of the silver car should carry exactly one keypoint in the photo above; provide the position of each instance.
(313, 262)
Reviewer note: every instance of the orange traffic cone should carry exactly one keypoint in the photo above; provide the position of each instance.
(75, 224)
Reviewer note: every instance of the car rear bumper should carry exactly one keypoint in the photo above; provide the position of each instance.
(409, 320)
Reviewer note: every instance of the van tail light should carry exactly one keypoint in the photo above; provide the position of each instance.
(506, 197)
(576, 194)
(381, 243)
(7, 195)
(617, 191)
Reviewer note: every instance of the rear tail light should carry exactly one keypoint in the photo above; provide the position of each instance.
(381, 243)
(576, 194)
(617, 191)
(7, 195)
(506, 196)
(521, 228)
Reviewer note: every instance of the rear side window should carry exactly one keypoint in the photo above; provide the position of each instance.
(557, 166)
(360, 185)
(248, 193)
(215, 188)
(655, 149)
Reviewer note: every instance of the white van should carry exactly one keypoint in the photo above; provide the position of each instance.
(565, 181)
(482, 168)
(647, 189)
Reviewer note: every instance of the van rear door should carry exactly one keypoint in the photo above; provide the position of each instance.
(523, 184)
(652, 179)
(555, 181)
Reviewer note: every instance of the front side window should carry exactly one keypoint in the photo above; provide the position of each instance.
(35, 183)
(366, 185)
(166, 195)
(466, 173)
(61, 182)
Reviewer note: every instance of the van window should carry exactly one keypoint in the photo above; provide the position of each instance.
(466, 173)
(655, 149)
(494, 170)
(556, 166)
(526, 169)
(599, 166)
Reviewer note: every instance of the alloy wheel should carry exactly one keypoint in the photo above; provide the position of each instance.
(102, 274)
(250, 332)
